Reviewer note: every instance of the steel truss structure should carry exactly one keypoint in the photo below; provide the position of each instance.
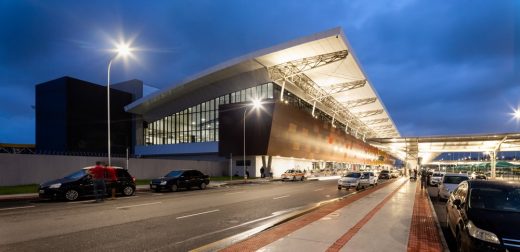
(294, 72)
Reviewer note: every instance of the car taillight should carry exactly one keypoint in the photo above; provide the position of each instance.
(133, 178)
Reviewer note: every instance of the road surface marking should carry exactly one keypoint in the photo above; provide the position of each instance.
(319, 189)
(77, 202)
(157, 194)
(191, 215)
(126, 197)
(281, 197)
(12, 208)
(229, 228)
(234, 193)
(146, 204)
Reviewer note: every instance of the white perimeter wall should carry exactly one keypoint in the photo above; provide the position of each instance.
(20, 169)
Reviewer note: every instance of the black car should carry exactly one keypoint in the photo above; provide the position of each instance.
(485, 215)
(80, 183)
(384, 174)
(180, 179)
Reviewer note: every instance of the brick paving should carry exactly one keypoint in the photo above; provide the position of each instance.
(424, 235)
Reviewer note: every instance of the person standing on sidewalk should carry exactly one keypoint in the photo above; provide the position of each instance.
(98, 175)
(423, 179)
(262, 170)
(112, 178)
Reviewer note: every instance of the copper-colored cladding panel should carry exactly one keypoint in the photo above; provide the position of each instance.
(295, 133)
(231, 129)
(283, 130)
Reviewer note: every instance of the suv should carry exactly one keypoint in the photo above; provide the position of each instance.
(384, 174)
(80, 183)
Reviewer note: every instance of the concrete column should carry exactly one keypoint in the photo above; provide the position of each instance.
(493, 157)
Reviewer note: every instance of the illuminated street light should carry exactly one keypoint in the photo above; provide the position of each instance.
(256, 103)
(123, 50)
(516, 114)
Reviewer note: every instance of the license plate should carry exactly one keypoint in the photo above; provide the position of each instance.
(154, 186)
(42, 191)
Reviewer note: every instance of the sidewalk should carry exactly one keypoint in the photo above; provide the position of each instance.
(392, 217)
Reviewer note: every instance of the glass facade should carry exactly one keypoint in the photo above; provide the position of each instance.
(200, 122)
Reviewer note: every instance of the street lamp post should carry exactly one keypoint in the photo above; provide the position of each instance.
(121, 50)
(256, 104)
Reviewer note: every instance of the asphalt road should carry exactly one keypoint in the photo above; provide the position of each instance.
(177, 221)
(440, 211)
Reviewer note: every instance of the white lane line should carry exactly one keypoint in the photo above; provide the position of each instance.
(157, 194)
(84, 201)
(12, 208)
(191, 215)
(281, 197)
(234, 193)
(131, 197)
(319, 189)
(146, 204)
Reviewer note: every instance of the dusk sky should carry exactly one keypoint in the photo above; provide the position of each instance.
(440, 67)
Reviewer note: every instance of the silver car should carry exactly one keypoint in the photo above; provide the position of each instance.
(449, 182)
(350, 180)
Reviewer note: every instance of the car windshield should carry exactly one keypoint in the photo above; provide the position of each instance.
(289, 171)
(495, 199)
(454, 179)
(173, 174)
(76, 174)
(353, 175)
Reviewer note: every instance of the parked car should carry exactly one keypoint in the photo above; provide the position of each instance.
(485, 215)
(436, 178)
(350, 180)
(369, 179)
(479, 175)
(395, 173)
(293, 174)
(80, 183)
(385, 174)
(449, 182)
(176, 179)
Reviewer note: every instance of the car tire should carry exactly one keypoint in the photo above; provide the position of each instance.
(71, 195)
(202, 186)
(358, 188)
(174, 188)
(339, 188)
(294, 178)
(128, 191)
(302, 179)
(458, 240)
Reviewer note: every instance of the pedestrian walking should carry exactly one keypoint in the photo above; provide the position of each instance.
(98, 175)
(262, 170)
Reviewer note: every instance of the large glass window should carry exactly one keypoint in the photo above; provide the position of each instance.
(200, 122)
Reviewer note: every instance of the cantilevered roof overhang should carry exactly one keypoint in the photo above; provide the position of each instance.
(321, 69)
(428, 148)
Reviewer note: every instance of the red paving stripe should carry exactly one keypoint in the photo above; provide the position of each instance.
(345, 238)
(424, 235)
(269, 236)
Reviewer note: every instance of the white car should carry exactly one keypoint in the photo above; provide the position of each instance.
(449, 182)
(368, 178)
(436, 178)
(350, 180)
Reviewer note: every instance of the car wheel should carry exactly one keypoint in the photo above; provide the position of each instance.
(202, 186)
(339, 188)
(460, 246)
(174, 188)
(128, 191)
(358, 188)
(293, 178)
(303, 178)
(71, 195)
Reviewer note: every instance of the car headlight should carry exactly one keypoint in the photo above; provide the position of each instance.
(57, 185)
(164, 182)
(481, 234)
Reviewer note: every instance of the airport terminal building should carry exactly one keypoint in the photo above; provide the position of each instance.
(317, 107)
